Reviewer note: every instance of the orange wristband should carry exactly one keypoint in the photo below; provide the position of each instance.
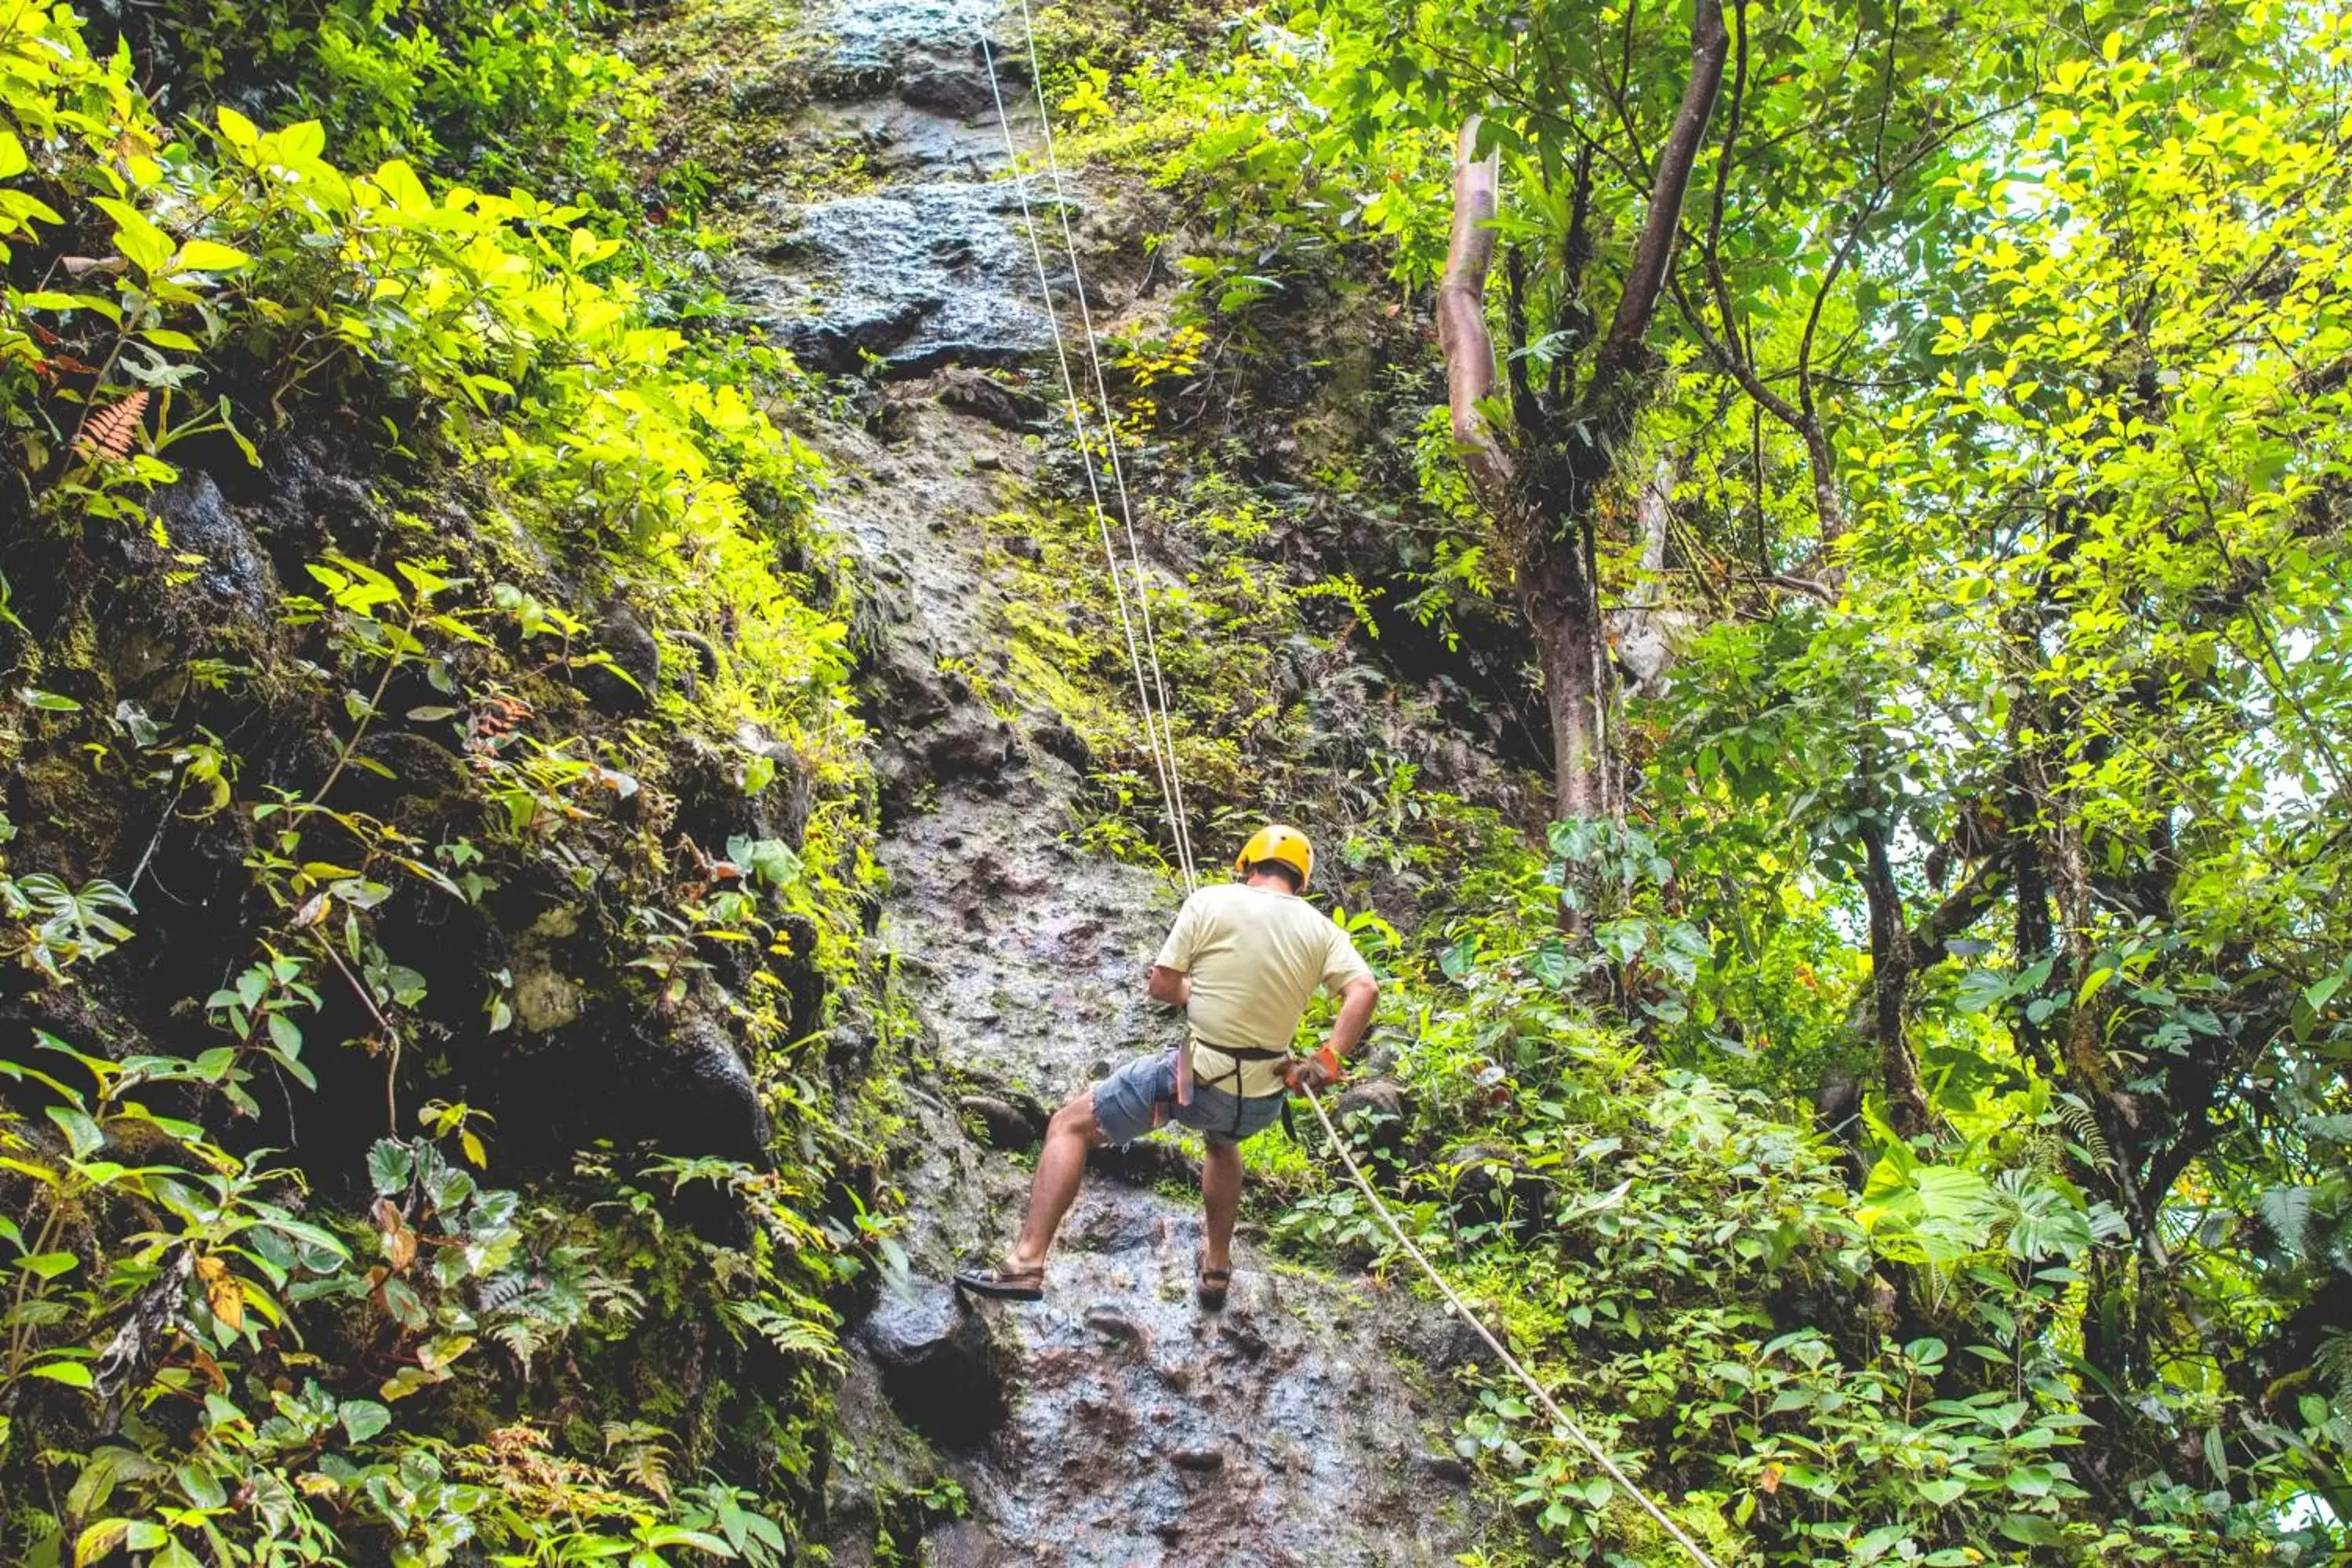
(1331, 1060)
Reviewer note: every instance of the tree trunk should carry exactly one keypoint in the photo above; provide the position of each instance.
(1899, 953)
(1462, 333)
(1543, 493)
(1563, 612)
(1890, 982)
(1645, 629)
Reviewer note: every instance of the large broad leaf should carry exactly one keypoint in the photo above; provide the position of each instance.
(363, 1419)
(1978, 990)
(390, 1164)
(1926, 1214)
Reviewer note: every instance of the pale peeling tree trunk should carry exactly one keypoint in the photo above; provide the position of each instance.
(1462, 333)
(1646, 629)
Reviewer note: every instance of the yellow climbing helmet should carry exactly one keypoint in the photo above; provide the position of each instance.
(1275, 842)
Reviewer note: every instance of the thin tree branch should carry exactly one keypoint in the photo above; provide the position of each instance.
(1662, 224)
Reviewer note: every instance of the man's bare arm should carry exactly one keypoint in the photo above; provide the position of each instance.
(1321, 1070)
(1357, 1000)
(1172, 986)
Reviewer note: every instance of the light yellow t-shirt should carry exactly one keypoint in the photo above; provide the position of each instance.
(1255, 957)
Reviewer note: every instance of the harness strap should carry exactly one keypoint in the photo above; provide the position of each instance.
(1237, 1055)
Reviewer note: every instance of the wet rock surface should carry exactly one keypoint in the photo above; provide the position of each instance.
(931, 268)
(940, 1369)
(1115, 1423)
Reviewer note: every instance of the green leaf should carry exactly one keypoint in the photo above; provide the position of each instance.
(48, 701)
(2030, 1530)
(1879, 1543)
(72, 1373)
(207, 255)
(49, 1265)
(285, 1034)
(146, 247)
(363, 1419)
(100, 1541)
(1978, 990)
(82, 1133)
(202, 1487)
(389, 1165)
(1943, 1491)
(239, 132)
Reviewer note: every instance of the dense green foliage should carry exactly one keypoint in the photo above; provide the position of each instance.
(1999, 378)
(1910, 1125)
(435, 817)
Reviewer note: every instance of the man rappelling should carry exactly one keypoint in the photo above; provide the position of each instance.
(1242, 959)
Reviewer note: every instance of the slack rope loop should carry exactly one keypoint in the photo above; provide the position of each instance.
(1560, 1418)
(1157, 732)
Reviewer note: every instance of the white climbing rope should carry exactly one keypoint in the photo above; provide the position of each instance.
(1159, 732)
(1560, 1418)
(1151, 698)
(1111, 432)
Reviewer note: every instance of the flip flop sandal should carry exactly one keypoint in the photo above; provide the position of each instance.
(1209, 1285)
(1004, 1284)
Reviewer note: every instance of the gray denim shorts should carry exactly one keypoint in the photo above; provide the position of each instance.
(1142, 1094)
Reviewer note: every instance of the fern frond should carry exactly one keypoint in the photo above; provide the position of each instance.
(520, 1340)
(2287, 1212)
(110, 432)
(790, 1335)
(640, 1451)
(504, 1292)
(2082, 1123)
(2333, 1363)
(613, 1298)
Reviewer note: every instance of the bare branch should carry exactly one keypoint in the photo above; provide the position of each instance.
(1576, 252)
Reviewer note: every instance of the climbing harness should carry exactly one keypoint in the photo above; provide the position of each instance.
(1240, 1056)
(1151, 698)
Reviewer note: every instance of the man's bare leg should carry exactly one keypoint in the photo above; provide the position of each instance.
(1220, 1197)
(1061, 1166)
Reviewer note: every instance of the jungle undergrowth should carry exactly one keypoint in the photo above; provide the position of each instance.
(571, 521)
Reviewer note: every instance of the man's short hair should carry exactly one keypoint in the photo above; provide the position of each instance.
(1282, 868)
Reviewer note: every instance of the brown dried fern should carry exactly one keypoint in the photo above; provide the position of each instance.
(110, 432)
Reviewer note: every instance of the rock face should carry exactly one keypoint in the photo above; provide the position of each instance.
(234, 575)
(695, 1091)
(1116, 1423)
(940, 1370)
(930, 269)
